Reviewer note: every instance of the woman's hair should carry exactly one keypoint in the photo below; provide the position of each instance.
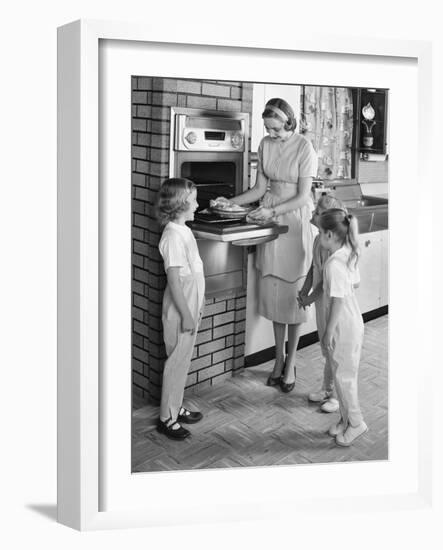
(329, 201)
(172, 199)
(281, 110)
(345, 227)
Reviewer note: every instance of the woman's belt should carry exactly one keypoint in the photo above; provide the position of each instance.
(284, 182)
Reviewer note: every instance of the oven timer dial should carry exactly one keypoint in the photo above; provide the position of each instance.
(191, 137)
(237, 140)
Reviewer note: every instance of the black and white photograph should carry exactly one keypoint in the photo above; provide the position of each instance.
(260, 272)
(221, 275)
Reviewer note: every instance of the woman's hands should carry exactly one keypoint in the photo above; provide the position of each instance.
(303, 299)
(220, 202)
(262, 214)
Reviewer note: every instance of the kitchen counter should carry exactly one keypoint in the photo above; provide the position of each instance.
(371, 213)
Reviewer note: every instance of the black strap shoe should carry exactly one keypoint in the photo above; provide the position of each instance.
(285, 387)
(189, 417)
(273, 380)
(276, 380)
(179, 433)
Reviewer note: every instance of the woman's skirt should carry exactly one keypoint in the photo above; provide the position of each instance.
(277, 300)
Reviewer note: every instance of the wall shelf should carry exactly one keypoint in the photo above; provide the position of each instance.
(377, 126)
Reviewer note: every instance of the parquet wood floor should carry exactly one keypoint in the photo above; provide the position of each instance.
(247, 423)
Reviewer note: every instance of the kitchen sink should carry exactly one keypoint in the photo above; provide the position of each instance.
(366, 201)
(370, 211)
(371, 218)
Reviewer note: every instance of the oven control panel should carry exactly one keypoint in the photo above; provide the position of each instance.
(206, 133)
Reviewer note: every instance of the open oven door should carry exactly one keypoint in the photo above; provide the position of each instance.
(252, 241)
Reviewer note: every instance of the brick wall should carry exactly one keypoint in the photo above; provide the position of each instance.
(219, 349)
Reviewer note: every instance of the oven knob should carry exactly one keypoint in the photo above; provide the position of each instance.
(237, 140)
(191, 137)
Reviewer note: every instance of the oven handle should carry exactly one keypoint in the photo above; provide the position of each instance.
(254, 240)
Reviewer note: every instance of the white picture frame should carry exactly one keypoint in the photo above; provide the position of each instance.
(84, 218)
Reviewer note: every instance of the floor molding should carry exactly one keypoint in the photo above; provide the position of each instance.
(268, 354)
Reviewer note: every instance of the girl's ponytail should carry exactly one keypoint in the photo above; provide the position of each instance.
(345, 226)
(353, 239)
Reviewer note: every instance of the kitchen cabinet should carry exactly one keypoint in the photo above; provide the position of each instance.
(371, 128)
(370, 266)
(374, 270)
(384, 286)
(259, 332)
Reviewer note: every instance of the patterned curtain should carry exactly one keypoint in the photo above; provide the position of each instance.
(327, 120)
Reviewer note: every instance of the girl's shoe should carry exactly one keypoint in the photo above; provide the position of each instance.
(189, 417)
(330, 405)
(337, 429)
(348, 437)
(177, 433)
(319, 396)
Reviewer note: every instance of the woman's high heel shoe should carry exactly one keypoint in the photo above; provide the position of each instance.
(285, 387)
(275, 380)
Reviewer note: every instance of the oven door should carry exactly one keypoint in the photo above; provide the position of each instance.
(224, 265)
(215, 174)
(239, 234)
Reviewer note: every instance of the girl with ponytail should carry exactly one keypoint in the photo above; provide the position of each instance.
(312, 293)
(343, 335)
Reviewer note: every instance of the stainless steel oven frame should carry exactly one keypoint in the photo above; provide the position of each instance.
(210, 150)
(225, 265)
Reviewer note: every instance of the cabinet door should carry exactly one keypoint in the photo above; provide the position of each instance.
(257, 129)
(370, 266)
(384, 287)
(374, 129)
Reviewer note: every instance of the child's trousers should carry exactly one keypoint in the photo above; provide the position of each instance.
(344, 360)
(179, 345)
(320, 314)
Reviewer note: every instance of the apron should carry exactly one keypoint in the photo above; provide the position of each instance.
(289, 257)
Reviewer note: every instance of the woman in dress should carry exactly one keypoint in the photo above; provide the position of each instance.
(287, 163)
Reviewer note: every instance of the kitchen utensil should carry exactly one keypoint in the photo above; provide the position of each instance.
(238, 214)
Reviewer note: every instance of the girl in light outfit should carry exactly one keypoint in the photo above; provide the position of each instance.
(343, 334)
(182, 301)
(314, 281)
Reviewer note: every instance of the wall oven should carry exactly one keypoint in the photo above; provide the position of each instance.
(211, 149)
